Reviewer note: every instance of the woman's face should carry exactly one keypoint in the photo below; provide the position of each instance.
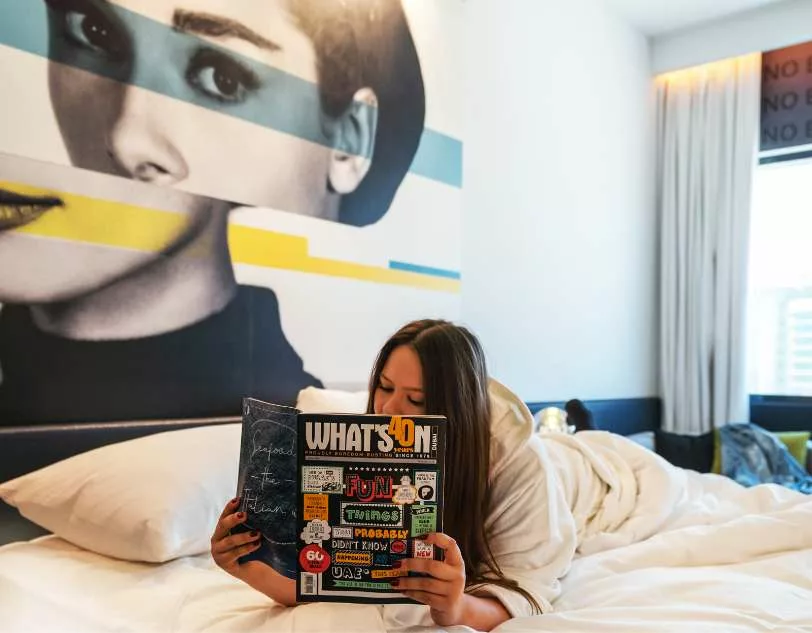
(400, 389)
(189, 94)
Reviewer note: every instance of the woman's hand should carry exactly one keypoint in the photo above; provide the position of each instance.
(443, 589)
(227, 549)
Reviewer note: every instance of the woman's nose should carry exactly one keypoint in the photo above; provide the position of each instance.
(140, 141)
(392, 405)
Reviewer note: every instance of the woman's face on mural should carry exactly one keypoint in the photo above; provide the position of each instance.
(193, 94)
(235, 70)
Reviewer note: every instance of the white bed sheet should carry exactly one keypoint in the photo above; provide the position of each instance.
(51, 585)
(660, 549)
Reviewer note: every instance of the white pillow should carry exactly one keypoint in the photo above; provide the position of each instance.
(149, 499)
(315, 400)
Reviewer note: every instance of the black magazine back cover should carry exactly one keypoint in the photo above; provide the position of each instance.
(267, 482)
(367, 485)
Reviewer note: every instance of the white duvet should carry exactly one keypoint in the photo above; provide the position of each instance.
(660, 549)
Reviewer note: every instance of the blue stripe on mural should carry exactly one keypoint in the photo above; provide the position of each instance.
(23, 25)
(439, 157)
(425, 270)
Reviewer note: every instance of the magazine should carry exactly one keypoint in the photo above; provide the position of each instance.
(340, 498)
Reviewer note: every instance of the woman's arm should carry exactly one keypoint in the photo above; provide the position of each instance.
(227, 549)
(483, 614)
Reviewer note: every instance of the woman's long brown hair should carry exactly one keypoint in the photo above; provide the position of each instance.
(455, 384)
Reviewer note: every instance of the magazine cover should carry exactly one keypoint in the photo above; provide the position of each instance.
(266, 482)
(368, 486)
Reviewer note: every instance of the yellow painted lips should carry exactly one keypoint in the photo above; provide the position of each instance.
(17, 210)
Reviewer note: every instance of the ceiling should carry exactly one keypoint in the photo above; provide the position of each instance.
(656, 17)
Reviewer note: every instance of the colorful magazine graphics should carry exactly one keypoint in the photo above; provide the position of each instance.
(340, 498)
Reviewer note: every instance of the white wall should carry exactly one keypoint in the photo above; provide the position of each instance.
(559, 253)
(774, 26)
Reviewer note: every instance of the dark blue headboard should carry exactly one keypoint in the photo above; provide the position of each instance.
(27, 448)
(781, 413)
(623, 416)
(634, 415)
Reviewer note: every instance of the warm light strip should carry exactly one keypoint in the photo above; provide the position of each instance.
(726, 67)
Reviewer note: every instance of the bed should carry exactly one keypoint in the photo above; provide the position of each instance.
(661, 548)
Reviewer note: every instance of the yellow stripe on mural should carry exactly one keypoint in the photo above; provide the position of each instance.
(91, 220)
(279, 250)
(88, 220)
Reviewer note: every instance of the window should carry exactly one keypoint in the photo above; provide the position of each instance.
(780, 280)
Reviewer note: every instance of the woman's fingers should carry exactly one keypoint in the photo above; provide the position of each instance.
(233, 541)
(435, 568)
(227, 548)
(230, 507)
(427, 585)
(232, 556)
(451, 569)
(453, 556)
(442, 587)
(225, 524)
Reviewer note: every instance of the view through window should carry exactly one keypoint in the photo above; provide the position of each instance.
(780, 281)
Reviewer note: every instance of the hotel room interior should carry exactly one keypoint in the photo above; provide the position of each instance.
(206, 200)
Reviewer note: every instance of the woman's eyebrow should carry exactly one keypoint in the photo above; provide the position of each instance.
(211, 25)
(418, 389)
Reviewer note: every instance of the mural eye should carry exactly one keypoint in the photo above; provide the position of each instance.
(218, 76)
(94, 32)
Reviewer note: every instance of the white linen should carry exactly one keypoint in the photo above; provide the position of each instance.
(51, 585)
(687, 552)
(659, 549)
(620, 493)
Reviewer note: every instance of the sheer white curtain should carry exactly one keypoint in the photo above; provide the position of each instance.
(708, 121)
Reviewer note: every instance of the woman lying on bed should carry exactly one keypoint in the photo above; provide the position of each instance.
(509, 535)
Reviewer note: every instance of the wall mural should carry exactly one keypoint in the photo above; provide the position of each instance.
(205, 199)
